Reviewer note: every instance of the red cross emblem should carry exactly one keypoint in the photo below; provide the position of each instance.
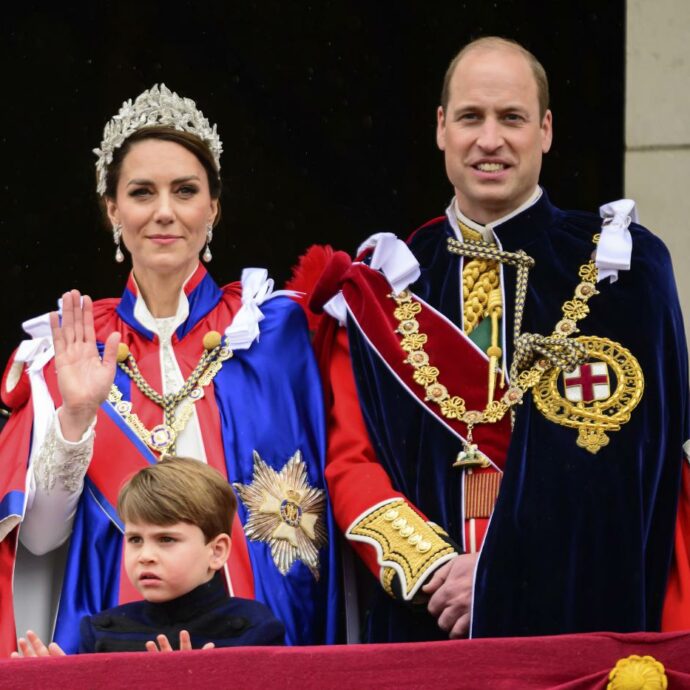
(587, 383)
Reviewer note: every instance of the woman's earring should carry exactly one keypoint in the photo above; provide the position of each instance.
(117, 235)
(207, 256)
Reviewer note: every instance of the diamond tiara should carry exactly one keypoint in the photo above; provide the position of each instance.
(157, 106)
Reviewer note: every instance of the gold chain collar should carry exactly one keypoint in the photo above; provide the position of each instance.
(454, 406)
(163, 436)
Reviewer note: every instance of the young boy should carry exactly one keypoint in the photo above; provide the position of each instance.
(178, 516)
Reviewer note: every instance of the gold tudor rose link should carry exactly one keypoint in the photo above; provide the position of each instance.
(454, 406)
(162, 437)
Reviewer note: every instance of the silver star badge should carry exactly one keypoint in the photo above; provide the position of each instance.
(285, 512)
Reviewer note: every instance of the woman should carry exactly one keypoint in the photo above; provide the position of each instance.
(225, 375)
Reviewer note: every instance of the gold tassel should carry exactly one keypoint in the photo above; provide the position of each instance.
(494, 311)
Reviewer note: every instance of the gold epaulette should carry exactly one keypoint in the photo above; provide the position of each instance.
(405, 545)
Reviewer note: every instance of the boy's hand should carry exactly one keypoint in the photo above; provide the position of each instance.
(33, 646)
(164, 645)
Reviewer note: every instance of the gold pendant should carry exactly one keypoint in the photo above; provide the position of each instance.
(470, 456)
(161, 437)
(591, 401)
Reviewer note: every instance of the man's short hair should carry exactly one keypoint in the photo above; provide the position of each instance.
(497, 42)
(179, 490)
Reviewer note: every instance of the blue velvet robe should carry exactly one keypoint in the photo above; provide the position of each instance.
(577, 541)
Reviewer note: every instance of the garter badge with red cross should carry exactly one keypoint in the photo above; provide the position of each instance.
(587, 383)
(597, 397)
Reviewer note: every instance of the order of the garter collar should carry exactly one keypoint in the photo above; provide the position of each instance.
(158, 106)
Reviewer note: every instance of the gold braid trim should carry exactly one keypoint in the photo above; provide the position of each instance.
(438, 529)
(387, 577)
(162, 437)
(556, 350)
(406, 545)
(479, 278)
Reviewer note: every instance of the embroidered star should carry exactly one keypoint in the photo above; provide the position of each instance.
(285, 512)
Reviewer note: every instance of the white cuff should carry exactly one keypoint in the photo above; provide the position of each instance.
(62, 460)
(57, 472)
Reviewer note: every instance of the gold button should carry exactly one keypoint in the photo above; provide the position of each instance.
(423, 546)
(390, 515)
(399, 523)
(414, 539)
(407, 531)
(122, 352)
(212, 340)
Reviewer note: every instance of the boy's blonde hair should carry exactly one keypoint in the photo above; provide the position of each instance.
(179, 490)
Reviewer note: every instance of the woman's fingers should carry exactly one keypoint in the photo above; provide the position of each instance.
(77, 316)
(87, 319)
(67, 325)
(56, 332)
(75, 325)
(110, 350)
(151, 646)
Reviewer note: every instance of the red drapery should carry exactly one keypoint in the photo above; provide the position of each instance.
(566, 662)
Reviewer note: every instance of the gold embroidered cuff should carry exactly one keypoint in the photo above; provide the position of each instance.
(406, 545)
(438, 529)
(387, 577)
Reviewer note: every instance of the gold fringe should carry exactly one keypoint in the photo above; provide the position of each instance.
(481, 492)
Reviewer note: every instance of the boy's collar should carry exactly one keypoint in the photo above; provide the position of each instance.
(181, 609)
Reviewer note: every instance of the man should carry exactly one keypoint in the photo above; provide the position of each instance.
(536, 351)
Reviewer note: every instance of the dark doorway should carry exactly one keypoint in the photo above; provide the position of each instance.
(326, 110)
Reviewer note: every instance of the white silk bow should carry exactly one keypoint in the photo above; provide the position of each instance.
(257, 287)
(35, 354)
(393, 258)
(615, 245)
